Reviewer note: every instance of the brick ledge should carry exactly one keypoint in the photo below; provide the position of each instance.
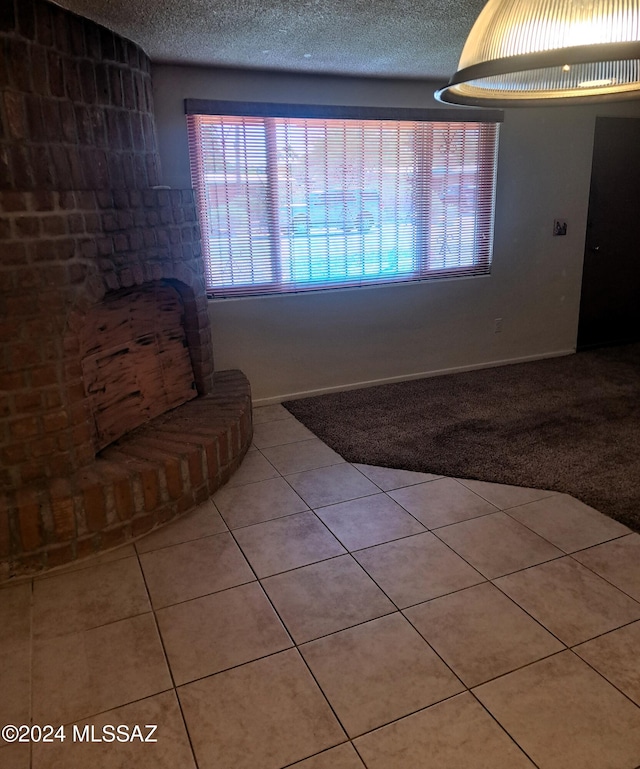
(146, 479)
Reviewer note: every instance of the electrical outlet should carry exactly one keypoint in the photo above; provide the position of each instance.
(497, 326)
(559, 227)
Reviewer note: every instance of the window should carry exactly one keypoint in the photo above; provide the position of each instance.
(290, 201)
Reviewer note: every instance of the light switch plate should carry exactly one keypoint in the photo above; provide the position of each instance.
(559, 227)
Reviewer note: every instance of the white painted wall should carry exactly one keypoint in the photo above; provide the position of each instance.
(302, 344)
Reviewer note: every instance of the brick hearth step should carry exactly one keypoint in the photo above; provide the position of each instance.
(146, 478)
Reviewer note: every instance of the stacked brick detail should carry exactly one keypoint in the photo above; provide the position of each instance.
(77, 104)
(81, 217)
(61, 253)
(145, 479)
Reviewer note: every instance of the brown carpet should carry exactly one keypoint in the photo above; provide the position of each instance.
(569, 424)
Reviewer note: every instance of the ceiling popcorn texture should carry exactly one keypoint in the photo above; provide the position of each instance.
(384, 38)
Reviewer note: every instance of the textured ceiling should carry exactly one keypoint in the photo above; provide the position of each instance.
(394, 38)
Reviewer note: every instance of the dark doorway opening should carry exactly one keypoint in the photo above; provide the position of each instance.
(610, 298)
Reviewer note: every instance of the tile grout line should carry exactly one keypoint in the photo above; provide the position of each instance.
(373, 619)
(601, 576)
(546, 539)
(323, 752)
(526, 611)
(503, 729)
(295, 646)
(400, 611)
(99, 712)
(549, 493)
(397, 611)
(443, 525)
(489, 581)
(174, 688)
(602, 675)
(534, 662)
(560, 555)
(605, 633)
(543, 563)
(393, 603)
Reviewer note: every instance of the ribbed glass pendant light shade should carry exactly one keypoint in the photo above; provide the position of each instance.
(541, 51)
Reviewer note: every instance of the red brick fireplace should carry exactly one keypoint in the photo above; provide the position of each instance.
(112, 419)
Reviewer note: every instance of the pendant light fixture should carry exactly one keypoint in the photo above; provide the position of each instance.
(535, 52)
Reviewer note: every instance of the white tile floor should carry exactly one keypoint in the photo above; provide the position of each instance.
(322, 615)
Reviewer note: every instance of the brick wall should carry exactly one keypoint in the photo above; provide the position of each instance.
(145, 479)
(79, 218)
(61, 253)
(76, 106)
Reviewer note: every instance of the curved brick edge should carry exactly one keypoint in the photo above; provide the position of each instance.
(62, 252)
(77, 103)
(147, 478)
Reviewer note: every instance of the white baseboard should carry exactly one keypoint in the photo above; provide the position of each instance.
(406, 377)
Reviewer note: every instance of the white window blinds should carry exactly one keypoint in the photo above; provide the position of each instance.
(297, 204)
